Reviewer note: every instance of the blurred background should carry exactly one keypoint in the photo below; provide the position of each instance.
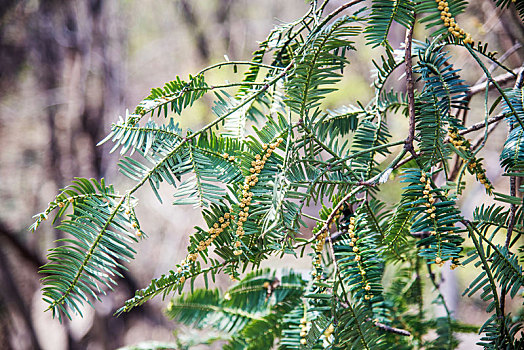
(68, 69)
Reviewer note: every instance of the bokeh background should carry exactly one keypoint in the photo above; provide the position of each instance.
(70, 68)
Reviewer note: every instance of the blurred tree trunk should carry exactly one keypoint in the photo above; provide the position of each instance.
(75, 50)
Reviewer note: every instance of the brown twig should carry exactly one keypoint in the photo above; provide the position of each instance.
(339, 205)
(410, 86)
(501, 79)
(501, 59)
(480, 139)
(390, 329)
(472, 128)
(335, 235)
(384, 327)
(481, 125)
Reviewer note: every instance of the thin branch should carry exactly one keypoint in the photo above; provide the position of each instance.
(384, 327)
(480, 139)
(492, 125)
(502, 58)
(500, 90)
(335, 235)
(410, 92)
(500, 79)
(339, 205)
(512, 210)
(327, 19)
(390, 329)
(481, 125)
(472, 128)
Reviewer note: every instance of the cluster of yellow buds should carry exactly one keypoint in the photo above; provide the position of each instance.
(303, 331)
(449, 22)
(358, 257)
(429, 196)
(458, 140)
(480, 173)
(430, 209)
(250, 181)
(454, 263)
(138, 232)
(181, 270)
(319, 245)
(327, 334)
(474, 165)
(228, 157)
(329, 330)
(214, 231)
(351, 234)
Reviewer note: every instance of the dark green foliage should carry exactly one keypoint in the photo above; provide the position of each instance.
(272, 156)
(317, 67)
(175, 96)
(370, 262)
(100, 232)
(383, 14)
(249, 314)
(358, 332)
(368, 135)
(513, 152)
(440, 225)
(432, 18)
(441, 80)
